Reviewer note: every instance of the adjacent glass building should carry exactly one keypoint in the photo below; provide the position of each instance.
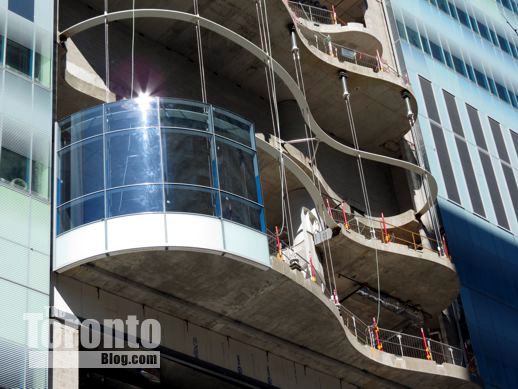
(462, 62)
(26, 36)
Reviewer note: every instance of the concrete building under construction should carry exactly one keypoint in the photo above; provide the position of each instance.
(245, 172)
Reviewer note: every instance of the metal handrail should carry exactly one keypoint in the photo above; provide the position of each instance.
(392, 342)
(391, 236)
(342, 53)
(312, 13)
(401, 344)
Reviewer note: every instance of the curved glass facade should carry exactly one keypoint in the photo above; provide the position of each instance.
(150, 155)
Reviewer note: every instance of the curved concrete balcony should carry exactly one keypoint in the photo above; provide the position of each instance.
(157, 173)
(411, 267)
(352, 35)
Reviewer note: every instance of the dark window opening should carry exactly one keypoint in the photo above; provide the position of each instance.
(24, 8)
(18, 57)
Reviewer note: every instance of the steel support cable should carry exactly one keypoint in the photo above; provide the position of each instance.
(279, 71)
(266, 31)
(199, 46)
(328, 258)
(133, 49)
(106, 52)
(365, 196)
(262, 36)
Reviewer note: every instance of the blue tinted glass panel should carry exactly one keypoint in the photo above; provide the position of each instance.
(241, 211)
(492, 86)
(504, 44)
(187, 157)
(514, 50)
(453, 10)
(481, 79)
(135, 199)
(18, 57)
(80, 169)
(236, 169)
(81, 125)
(484, 31)
(128, 114)
(471, 73)
(502, 92)
(183, 115)
(514, 100)
(24, 8)
(1, 49)
(191, 199)
(437, 52)
(81, 211)
(474, 26)
(232, 127)
(443, 5)
(494, 39)
(459, 65)
(449, 60)
(413, 37)
(426, 45)
(463, 17)
(133, 157)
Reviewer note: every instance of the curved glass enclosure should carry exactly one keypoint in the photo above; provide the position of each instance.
(154, 155)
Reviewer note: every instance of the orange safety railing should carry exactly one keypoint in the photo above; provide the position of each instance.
(384, 340)
(388, 233)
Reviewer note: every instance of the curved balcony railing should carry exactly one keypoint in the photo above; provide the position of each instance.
(314, 14)
(393, 342)
(153, 155)
(388, 233)
(325, 44)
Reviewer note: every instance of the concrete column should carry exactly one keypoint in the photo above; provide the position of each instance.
(65, 353)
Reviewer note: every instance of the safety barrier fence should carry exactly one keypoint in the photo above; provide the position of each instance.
(385, 232)
(392, 342)
(400, 344)
(325, 44)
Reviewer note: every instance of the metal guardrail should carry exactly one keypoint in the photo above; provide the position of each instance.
(396, 343)
(325, 44)
(312, 13)
(400, 344)
(396, 234)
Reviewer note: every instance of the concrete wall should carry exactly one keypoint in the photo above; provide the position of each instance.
(84, 301)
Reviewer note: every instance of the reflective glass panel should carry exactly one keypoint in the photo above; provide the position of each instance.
(187, 157)
(183, 115)
(81, 125)
(128, 114)
(133, 157)
(236, 169)
(81, 211)
(241, 211)
(192, 199)
(80, 169)
(232, 127)
(135, 199)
